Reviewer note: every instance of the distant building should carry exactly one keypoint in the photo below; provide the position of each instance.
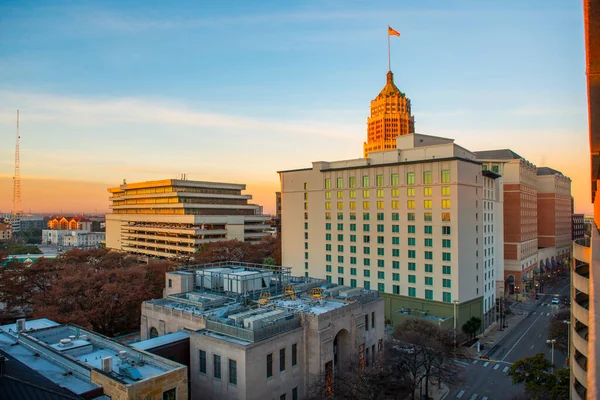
(554, 211)
(90, 365)
(390, 117)
(70, 238)
(256, 332)
(278, 212)
(32, 222)
(578, 226)
(5, 231)
(172, 218)
(70, 223)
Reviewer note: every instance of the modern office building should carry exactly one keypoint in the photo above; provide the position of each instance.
(577, 226)
(392, 222)
(585, 266)
(90, 365)
(390, 116)
(257, 332)
(23, 222)
(171, 218)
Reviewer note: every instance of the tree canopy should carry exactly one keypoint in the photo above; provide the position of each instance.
(540, 383)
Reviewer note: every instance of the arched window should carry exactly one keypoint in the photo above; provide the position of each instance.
(153, 332)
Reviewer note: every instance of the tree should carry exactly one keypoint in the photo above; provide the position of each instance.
(559, 330)
(234, 250)
(425, 351)
(540, 383)
(471, 327)
(23, 249)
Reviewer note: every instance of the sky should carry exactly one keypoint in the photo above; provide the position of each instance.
(236, 91)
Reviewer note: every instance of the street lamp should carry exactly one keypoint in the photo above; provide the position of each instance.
(568, 339)
(552, 341)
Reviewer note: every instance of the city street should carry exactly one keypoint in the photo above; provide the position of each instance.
(487, 379)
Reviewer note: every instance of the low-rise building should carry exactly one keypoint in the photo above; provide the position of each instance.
(256, 332)
(74, 223)
(5, 231)
(72, 238)
(90, 365)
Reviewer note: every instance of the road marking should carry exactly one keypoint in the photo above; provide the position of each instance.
(485, 364)
(534, 312)
(460, 394)
(461, 362)
(475, 361)
(531, 347)
(517, 342)
(496, 366)
(547, 314)
(473, 396)
(484, 398)
(540, 335)
(505, 369)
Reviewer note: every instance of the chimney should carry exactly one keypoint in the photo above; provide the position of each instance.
(107, 364)
(21, 325)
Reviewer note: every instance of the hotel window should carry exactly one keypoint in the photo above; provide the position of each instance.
(352, 239)
(446, 230)
(396, 264)
(396, 228)
(380, 239)
(353, 270)
(380, 216)
(410, 178)
(340, 248)
(380, 227)
(447, 297)
(366, 216)
(411, 229)
(427, 216)
(365, 181)
(427, 204)
(428, 242)
(379, 180)
(305, 196)
(380, 205)
(429, 268)
(352, 216)
(410, 192)
(410, 216)
(328, 236)
(412, 241)
(380, 251)
(381, 288)
(446, 217)
(353, 205)
(395, 240)
(427, 191)
(446, 243)
(412, 266)
(428, 294)
(410, 204)
(412, 292)
(340, 270)
(327, 183)
(340, 183)
(328, 268)
(445, 203)
(412, 254)
(395, 252)
(340, 195)
(327, 257)
(366, 194)
(327, 195)
(446, 269)
(447, 283)
(396, 289)
(328, 226)
(305, 215)
(340, 216)
(340, 205)
(366, 205)
(328, 205)
(366, 250)
(446, 257)
(202, 361)
(328, 278)
(305, 186)
(352, 194)
(340, 259)
(395, 180)
(306, 256)
(428, 281)
(233, 372)
(366, 273)
(366, 227)
(446, 176)
(352, 282)
(269, 365)
(294, 354)
(427, 177)
(395, 204)
(352, 182)
(305, 246)
(395, 217)
(429, 255)
(380, 263)
(380, 275)
(445, 190)
(352, 227)
(217, 366)
(379, 193)
(396, 277)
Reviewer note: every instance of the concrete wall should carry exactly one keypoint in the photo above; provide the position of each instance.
(167, 320)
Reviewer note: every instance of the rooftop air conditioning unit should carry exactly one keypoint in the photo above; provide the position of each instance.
(65, 342)
(21, 325)
(107, 364)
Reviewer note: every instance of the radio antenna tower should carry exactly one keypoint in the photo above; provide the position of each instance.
(17, 177)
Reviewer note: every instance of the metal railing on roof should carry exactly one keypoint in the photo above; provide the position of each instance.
(253, 335)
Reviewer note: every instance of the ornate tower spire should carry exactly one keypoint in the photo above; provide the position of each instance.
(390, 117)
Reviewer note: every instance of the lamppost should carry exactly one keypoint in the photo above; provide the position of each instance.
(568, 338)
(455, 314)
(552, 341)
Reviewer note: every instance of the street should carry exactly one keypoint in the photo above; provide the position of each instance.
(487, 379)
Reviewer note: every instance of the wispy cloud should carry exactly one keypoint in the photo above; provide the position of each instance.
(106, 111)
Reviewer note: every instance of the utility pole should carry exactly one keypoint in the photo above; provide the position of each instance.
(552, 342)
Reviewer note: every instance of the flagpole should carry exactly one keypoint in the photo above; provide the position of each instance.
(389, 65)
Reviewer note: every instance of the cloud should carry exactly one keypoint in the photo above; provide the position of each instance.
(83, 111)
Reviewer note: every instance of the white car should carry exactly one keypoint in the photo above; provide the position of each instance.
(555, 300)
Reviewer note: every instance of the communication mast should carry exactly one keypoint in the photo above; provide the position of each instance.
(17, 177)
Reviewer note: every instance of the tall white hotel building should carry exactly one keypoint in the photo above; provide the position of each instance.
(422, 224)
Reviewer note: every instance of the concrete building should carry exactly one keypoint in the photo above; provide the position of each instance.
(69, 238)
(14, 220)
(256, 332)
(390, 117)
(32, 222)
(5, 231)
(74, 223)
(520, 215)
(90, 365)
(407, 222)
(171, 218)
(585, 266)
(577, 226)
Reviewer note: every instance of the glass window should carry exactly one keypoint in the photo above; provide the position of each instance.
(427, 177)
(353, 270)
(380, 263)
(340, 183)
(353, 238)
(340, 259)
(410, 192)
(380, 216)
(380, 239)
(446, 257)
(352, 260)
(327, 247)
(427, 191)
(396, 277)
(381, 287)
(269, 365)
(429, 268)
(410, 204)
(379, 180)
(328, 277)
(410, 216)
(340, 237)
(396, 289)
(447, 283)
(327, 268)
(327, 183)
(429, 294)
(445, 176)
(366, 216)
(380, 193)
(367, 262)
(395, 240)
(412, 292)
(446, 230)
(352, 182)
(395, 252)
(367, 285)
(217, 366)
(366, 239)
(412, 241)
(411, 229)
(446, 243)
(445, 203)
(429, 255)
(380, 205)
(365, 181)
(328, 205)
(340, 270)
(427, 204)
(366, 273)
(353, 248)
(446, 269)
(327, 257)
(395, 192)
(412, 254)
(410, 178)
(412, 266)
(352, 282)
(202, 361)
(327, 195)
(445, 190)
(395, 180)
(429, 281)
(340, 205)
(395, 217)
(380, 228)
(380, 275)
(294, 354)
(447, 297)
(380, 251)
(412, 279)
(232, 372)
(395, 204)
(305, 186)
(366, 194)
(428, 242)
(366, 205)
(427, 216)
(396, 228)
(446, 217)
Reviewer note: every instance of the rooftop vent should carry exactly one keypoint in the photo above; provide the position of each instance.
(107, 364)
(123, 355)
(65, 342)
(21, 325)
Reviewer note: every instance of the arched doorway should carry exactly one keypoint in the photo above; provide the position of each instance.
(153, 333)
(341, 350)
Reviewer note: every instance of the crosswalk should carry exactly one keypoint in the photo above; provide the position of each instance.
(465, 393)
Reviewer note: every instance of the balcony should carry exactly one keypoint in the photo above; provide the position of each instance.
(579, 370)
(580, 340)
(579, 307)
(581, 280)
(581, 250)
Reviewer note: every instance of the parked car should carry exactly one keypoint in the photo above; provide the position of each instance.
(555, 300)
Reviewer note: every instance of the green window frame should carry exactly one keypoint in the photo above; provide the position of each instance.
(380, 275)
(396, 264)
(412, 279)
(428, 242)
(396, 277)
(428, 294)
(447, 283)
(429, 268)
(410, 178)
(366, 273)
(446, 270)
(427, 178)
(412, 254)
(412, 266)
(412, 292)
